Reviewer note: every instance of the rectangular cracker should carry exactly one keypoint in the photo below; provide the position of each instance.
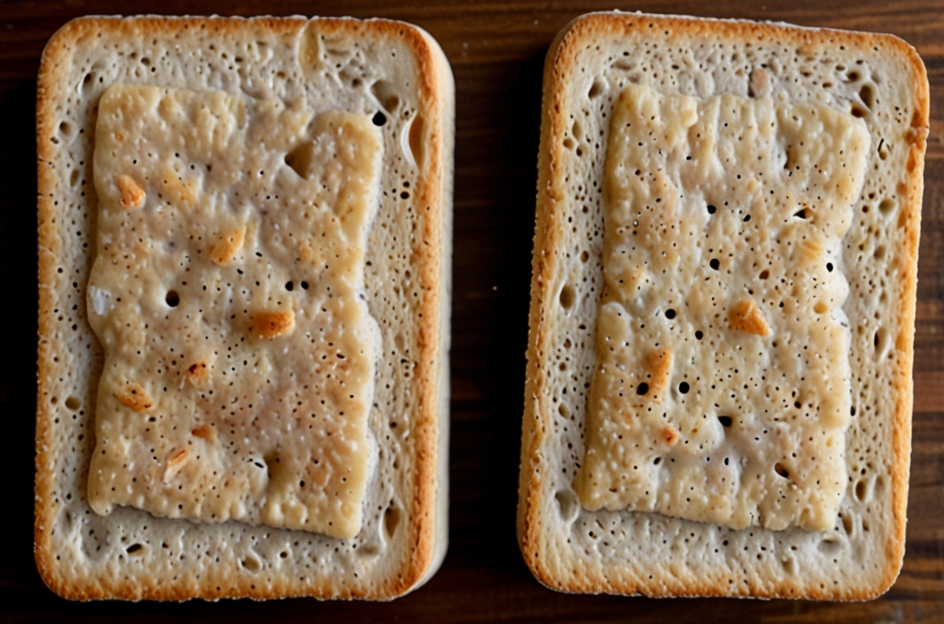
(877, 78)
(226, 391)
(722, 392)
(265, 103)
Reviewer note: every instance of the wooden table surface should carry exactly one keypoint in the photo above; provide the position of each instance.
(496, 51)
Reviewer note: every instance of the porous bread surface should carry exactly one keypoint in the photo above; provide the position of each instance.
(252, 394)
(397, 76)
(722, 391)
(877, 78)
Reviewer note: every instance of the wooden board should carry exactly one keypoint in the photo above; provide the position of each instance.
(496, 51)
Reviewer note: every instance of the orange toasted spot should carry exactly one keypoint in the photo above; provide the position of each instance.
(175, 463)
(198, 372)
(658, 365)
(133, 397)
(178, 192)
(227, 246)
(273, 324)
(670, 435)
(205, 432)
(745, 316)
(131, 195)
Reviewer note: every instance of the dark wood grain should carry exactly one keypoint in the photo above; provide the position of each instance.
(496, 51)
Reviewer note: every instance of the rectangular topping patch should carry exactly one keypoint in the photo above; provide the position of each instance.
(227, 293)
(722, 390)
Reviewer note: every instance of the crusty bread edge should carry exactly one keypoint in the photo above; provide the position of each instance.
(428, 520)
(560, 62)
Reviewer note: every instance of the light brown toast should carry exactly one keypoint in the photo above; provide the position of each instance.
(391, 72)
(877, 78)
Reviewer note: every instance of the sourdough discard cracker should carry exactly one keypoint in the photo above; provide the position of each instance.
(722, 390)
(251, 394)
(245, 239)
(721, 335)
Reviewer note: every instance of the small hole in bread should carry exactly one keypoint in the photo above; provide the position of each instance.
(819, 307)
(598, 87)
(846, 523)
(73, 403)
(568, 297)
(882, 149)
(725, 421)
(886, 206)
(764, 274)
(379, 119)
(858, 111)
(879, 339)
(670, 314)
(417, 140)
(290, 286)
(800, 213)
(781, 470)
(711, 209)
(683, 387)
(135, 549)
(715, 264)
(386, 94)
(172, 298)
(642, 388)
(867, 95)
(391, 521)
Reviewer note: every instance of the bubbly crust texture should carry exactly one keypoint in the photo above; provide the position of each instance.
(367, 307)
(261, 390)
(722, 392)
(582, 278)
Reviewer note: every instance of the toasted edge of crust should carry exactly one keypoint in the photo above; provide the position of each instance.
(427, 541)
(559, 64)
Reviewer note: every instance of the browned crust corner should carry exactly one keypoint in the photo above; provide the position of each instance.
(560, 63)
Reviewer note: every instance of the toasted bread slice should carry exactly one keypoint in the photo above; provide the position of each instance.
(244, 268)
(718, 397)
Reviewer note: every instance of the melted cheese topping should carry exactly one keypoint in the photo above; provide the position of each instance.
(722, 390)
(228, 296)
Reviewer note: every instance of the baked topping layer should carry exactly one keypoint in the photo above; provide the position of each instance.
(722, 389)
(227, 293)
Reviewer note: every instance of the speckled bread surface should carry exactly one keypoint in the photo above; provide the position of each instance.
(245, 231)
(718, 395)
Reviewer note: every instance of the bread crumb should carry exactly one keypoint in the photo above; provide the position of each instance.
(175, 463)
(134, 398)
(132, 196)
(745, 316)
(271, 325)
(227, 246)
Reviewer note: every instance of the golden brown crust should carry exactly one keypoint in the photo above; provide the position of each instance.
(560, 65)
(426, 530)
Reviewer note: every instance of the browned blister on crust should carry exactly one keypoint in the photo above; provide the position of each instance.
(877, 79)
(293, 66)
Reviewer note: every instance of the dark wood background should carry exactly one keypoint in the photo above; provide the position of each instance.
(496, 51)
